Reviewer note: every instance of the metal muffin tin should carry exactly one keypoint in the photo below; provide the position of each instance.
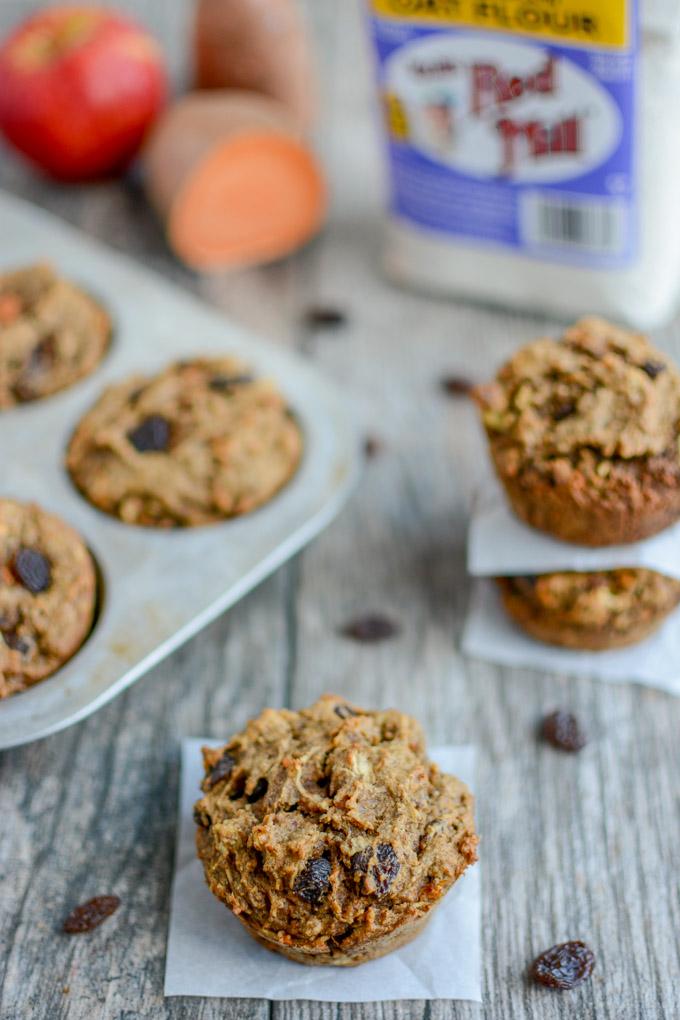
(159, 587)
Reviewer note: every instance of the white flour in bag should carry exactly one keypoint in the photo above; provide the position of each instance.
(534, 151)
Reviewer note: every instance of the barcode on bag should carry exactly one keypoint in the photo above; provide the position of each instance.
(598, 228)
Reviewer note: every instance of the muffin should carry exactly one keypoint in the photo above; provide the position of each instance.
(200, 442)
(328, 832)
(594, 611)
(51, 334)
(48, 594)
(583, 433)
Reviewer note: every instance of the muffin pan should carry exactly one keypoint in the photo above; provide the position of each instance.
(159, 588)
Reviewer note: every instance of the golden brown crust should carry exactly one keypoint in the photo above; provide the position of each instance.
(48, 594)
(329, 833)
(51, 334)
(584, 435)
(593, 611)
(200, 442)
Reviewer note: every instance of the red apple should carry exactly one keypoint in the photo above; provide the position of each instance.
(79, 87)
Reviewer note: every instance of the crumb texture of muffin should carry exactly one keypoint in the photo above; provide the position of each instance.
(200, 442)
(328, 832)
(51, 334)
(48, 594)
(583, 433)
(596, 611)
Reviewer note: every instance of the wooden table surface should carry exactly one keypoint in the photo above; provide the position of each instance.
(572, 847)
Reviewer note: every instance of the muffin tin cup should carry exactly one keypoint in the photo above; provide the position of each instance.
(159, 587)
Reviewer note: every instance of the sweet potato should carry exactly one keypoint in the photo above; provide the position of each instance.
(232, 180)
(258, 45)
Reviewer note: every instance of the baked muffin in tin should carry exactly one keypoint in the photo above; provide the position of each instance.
(52, 334)
(48, 594)
(202, 441)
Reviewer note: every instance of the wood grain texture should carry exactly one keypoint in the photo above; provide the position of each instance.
(583, 847)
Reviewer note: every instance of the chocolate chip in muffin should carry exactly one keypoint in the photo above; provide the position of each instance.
(344, 711)
(200, 818)
(563, 967)
(14, 641)
(90, 915)
(564, 410)
(32, 570)
(360, 860)
(259, 791)
(653, 368)
(226, 383)
(221, 770)
(40, 360)
(386, 869)
(313, 882)
(563, 730)
(152, 435)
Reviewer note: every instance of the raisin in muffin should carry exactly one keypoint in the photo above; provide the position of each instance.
(596, 611)
(583, 434)
(202, 441)
(48, 594)
(329, 833)
(51, 334)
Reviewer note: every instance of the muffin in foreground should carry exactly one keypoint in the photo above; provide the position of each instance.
(200, 442)
(583, 433)
(48, 593)
(51, 334)
(328, 832)
(594, 611)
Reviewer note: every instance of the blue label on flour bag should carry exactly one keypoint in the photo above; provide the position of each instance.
(508, 136)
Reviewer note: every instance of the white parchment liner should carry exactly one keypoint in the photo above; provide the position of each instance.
(210, 953)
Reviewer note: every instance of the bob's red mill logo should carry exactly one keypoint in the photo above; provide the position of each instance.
(492, 88)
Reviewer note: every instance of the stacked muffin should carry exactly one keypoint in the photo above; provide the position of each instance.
(584, 436)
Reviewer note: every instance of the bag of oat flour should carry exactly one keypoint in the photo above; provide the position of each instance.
(533, 148)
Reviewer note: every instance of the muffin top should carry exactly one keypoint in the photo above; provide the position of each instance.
(329, 827)
(608, 599)
(47, 594)
(51, 334)
(201, 441)
(599, 393)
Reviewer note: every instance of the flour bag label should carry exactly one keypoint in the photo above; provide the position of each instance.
(512, 123)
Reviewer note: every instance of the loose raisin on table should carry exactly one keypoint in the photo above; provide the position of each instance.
(313, 882)
(456, 385)
(372, 447)
(371, 628)
(152, 435)
(221, 770)
(386, 869)
(32, 570)
(261, 787)
(90, 915)
(564, 966)
(653, 368)
(563, 731)
(325, 317)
